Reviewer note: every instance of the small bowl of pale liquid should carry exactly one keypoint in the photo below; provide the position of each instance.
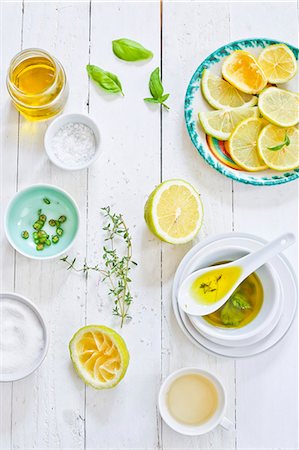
(192, 401)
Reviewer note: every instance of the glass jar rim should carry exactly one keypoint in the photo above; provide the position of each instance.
(14, 63)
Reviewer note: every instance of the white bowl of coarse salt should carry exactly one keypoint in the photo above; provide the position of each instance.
(23, 337)
(72, 141)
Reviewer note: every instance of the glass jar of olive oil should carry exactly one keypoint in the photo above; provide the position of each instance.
(37, 84)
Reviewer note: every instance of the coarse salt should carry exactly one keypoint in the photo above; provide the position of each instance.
(74, 144)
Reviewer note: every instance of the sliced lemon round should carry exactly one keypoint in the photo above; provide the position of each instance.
(242, 71)
(220, 94)
(279, 106)
(242, 145)
(221, 123)
(279, 147)
(99, 355)
(278, 63)
(174, 212)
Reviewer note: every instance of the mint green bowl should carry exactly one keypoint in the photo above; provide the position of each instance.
(22, 213)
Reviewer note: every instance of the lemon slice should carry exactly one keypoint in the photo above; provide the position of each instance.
(242, 71)
(174, 212)
(284, 145)
(220, 94)
(220, 124)
(279, 106)
(99, 355)
(278, 63)
(242, 145)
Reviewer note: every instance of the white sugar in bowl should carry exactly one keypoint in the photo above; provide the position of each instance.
(72, 141)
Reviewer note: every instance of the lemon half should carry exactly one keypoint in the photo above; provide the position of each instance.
(243, 71)
(174, 212)
(99, 355)
(220, 94)
(274, 153)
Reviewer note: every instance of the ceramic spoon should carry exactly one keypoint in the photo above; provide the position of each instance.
(244, 267)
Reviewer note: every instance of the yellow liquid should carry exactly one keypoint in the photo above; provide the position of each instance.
(251, 289)
(192, 399)
(213, 286)
(36, 86)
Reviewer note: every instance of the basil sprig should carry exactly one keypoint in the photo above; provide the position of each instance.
(106, 80)
(156, 89)
(129, 50)
(280, 146)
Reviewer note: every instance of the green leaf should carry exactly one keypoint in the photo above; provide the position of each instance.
(163, 98)
(151, 100)
(129, 50)
(280, 146)
(155, 85)
(239, 301)
(106, 80)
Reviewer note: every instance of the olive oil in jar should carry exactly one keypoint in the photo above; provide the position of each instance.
(37, 84)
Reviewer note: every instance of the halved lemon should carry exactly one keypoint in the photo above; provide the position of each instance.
(279, 147)
(221, 123)
(279, 106)
(242, 145)
(99, 355)
(174, 212)
(220, 94)
(243, 71)
(278, 63)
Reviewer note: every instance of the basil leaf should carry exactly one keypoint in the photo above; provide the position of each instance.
(280, 146)
(129, 50)
(106, 80)
(239, 301)
(155, 85)
(163, 98)
(156, 89)
(151, 100)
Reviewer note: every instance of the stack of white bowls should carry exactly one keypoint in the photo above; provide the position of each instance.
(275, 316)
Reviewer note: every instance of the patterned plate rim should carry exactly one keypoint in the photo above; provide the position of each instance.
(190, 124)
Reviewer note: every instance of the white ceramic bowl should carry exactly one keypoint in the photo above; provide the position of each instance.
(61, 121)
(194, 430)
(18, 375)
(268, 315)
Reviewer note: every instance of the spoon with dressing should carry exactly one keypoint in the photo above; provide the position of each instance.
(206, 290)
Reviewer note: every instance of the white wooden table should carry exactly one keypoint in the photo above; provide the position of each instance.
(52, 409)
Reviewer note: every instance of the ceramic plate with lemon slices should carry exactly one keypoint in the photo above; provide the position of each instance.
(242, 111)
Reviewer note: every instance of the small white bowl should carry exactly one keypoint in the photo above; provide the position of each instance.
(61, 121)
(194, 430)
(268, 315)
(18, 375)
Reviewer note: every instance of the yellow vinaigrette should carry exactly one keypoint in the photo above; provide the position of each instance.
(214, 285)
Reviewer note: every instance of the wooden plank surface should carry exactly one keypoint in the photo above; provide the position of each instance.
(141, 146)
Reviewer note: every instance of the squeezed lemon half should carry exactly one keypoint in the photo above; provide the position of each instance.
(243, 71)
(99, 355)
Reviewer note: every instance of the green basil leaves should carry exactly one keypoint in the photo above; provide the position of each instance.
(280, 146)
(129, 50)
(156, 89)
(106, 80)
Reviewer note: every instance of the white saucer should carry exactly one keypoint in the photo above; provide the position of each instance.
(289, 298)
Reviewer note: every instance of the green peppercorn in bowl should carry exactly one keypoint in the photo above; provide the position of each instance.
(42, 221)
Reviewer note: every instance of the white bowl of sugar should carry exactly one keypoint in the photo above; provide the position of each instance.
(72, 141)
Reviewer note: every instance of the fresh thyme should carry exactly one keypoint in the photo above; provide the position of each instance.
(116, 266)
(209, 287)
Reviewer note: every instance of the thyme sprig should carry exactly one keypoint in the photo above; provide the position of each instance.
(117, 265)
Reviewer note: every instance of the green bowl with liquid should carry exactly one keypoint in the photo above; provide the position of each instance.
(22, 213)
